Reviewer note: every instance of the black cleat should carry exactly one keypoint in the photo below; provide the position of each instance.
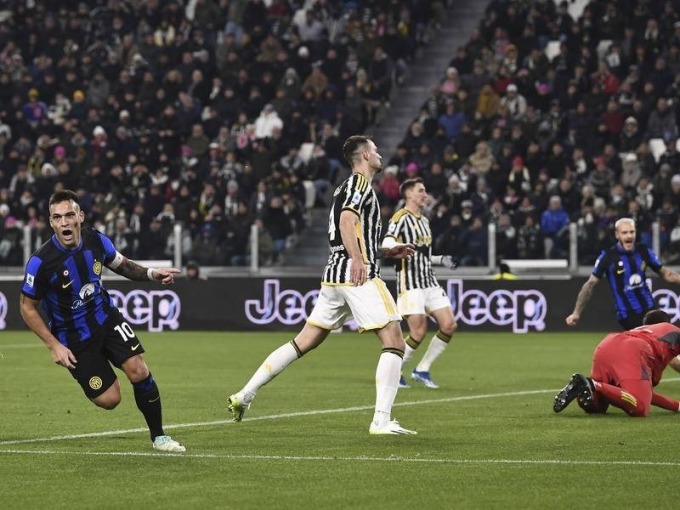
(586, 398)
(578, 386)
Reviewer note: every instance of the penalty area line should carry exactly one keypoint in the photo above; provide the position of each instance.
(326, 458)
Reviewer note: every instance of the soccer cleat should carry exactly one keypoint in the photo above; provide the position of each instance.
(391, 428)
(167, 444)
(237, 406)
(587, 396)
(424, 377)
(403, 383)
(577, 386)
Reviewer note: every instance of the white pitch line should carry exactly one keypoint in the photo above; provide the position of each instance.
(20, 346)
(327, 458)
(280, 416)
(271, 417)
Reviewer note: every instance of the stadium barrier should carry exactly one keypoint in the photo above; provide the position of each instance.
(271, 303)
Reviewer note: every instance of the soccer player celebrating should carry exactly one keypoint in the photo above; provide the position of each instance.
(350, 286)
(624, 265)
(626, 368)
(87, 333)
(418, 291)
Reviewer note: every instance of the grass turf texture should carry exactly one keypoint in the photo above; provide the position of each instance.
(486, 439)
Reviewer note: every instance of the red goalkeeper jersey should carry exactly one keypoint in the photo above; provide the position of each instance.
(664, 340)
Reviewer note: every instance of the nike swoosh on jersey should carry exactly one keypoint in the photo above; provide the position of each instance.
(135, 347)
(66, 285)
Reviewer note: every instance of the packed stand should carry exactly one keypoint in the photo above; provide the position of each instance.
(542, 120)
(217, 115)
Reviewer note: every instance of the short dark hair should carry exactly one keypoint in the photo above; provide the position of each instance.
(409, 184)
(352, 144)
(63, 196)
(655, 316)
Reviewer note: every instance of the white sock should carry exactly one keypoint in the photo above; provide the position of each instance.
(408, 354)
(436, 347)
(270, 368)
(386, 386)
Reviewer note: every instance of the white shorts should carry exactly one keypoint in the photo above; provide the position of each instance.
(422, 301)
(371, 305)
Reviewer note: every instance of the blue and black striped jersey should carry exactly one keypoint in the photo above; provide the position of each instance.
(68, 283)
(625, 272)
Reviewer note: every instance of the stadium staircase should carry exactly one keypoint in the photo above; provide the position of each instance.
(427, 70)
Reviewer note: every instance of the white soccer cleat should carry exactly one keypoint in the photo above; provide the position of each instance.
(390, 428)
(167, 444)
(237, 406)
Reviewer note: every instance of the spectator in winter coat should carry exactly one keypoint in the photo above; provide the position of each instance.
(662, 122)
(554, 223)
(267, 122)
(452, 121)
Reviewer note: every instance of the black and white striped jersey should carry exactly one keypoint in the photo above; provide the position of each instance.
(415, 272)
(354, 194)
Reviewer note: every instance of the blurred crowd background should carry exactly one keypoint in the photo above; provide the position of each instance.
(221, 115)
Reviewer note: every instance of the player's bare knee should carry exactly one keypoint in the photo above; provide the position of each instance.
(110, 398)
(309, 338)
(390, 336)
(417, 330)
(448, 326)
(417, 334)
(108, 404)
(135, 369)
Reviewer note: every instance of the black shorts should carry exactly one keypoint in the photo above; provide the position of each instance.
(113, 343)
(632, 321)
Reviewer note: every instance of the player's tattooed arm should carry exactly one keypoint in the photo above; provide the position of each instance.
(585, 294)
(131, 270)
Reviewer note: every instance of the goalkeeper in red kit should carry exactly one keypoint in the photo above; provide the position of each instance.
(626, 368)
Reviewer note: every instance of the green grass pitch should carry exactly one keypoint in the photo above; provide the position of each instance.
(486, 439)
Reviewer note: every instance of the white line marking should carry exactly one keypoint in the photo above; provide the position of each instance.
(20, 346)
(349, 459)
(271, 417)
(279, 416)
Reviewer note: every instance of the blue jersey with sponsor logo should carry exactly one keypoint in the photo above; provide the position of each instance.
(68, 283)
(625, 272)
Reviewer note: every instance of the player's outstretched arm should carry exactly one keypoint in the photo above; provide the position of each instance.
(390, 248)
(132, 271)
(582, 299)
(398, 251)
(669, 275)
(29, 312)
(447, 261)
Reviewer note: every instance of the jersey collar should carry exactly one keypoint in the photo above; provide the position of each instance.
(58, 245)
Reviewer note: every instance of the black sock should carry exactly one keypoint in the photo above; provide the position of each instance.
(149, 403)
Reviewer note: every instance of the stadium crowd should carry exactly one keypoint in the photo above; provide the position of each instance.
(216, 114)
(223, 114)
(542, 120)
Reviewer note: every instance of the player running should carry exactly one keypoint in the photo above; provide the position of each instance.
(350, 287)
